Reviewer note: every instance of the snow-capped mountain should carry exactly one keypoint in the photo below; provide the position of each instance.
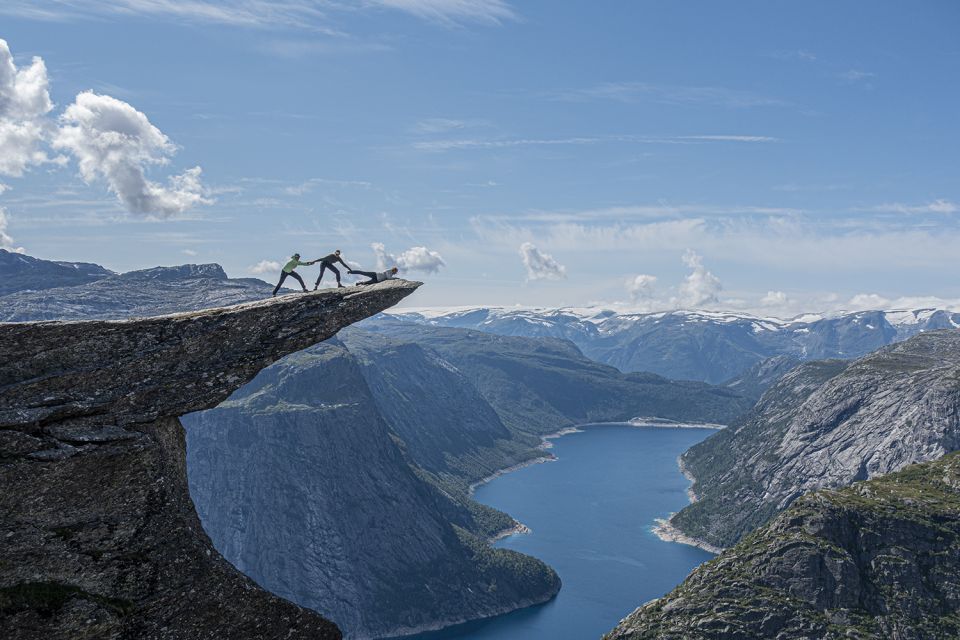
(711, 346)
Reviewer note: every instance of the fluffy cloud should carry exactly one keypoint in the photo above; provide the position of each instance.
(265, 266)
(774, 299)
(700, 287)
(641, 287)
(112, 140)
(539, 265)
(24, 105)
(6, 242)
(413, 259)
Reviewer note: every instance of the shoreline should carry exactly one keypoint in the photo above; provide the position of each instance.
(660, 423)
(453, 622)
(544, 445)
(665, 530)
(518, 527)
(673, 535)
(669, 533)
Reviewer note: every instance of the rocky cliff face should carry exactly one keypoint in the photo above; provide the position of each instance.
(100, 536)
(826, 424)
(303, 485)
(880, 559)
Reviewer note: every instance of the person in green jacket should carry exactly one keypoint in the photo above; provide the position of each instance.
(288, 270)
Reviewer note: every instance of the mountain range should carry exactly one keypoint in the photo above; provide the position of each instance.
(714, 347)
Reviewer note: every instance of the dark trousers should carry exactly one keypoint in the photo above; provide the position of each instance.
(292, 274)
(323, 267)
(369, 274)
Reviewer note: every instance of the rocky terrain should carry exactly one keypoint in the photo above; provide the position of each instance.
(826, 424)
(148, 292)
(879, 559)
(709, 346)
(26, 273)
(304, 486)
(100, 535)
(401, 423)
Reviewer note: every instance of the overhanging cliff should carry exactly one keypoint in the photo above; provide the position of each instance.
(99, 535)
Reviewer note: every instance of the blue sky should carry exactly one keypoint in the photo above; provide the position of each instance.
(773, 156)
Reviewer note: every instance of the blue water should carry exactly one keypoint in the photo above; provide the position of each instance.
(591, 514)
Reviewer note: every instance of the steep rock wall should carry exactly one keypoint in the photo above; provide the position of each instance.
(99, 536)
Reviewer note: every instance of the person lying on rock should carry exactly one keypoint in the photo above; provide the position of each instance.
(327, 262)
(375, 276)
(288, 270)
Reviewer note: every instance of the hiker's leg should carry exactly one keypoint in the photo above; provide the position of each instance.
(299, 279)
(368, 274)
(336, 272)
(323, 266)
(283, 276)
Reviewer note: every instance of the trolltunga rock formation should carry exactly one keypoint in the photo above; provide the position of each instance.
(98, 535)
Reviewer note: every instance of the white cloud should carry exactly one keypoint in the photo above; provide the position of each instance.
(24, 105)
(455, 11)
(641, 286)
(505, 143)
(112, 140)
(6, 241)
(313, 15)
(939, 205)
(539, 265)
(413, 259)
(700, 287)
(265, 266)
(439, 125)
(774, 299)
(189, 252)
(856, 75)
(867, 302)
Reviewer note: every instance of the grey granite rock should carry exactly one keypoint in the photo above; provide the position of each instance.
(826, 424)
(878, 560)
(99, 536)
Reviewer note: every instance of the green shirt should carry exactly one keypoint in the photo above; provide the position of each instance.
(293, 264)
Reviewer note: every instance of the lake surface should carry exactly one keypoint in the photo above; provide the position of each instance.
(591, 513)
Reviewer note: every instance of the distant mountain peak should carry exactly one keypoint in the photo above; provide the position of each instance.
(180, 272)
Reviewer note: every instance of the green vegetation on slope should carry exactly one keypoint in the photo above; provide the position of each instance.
(879, 559)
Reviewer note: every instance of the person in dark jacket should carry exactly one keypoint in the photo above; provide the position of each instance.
(288, 270)
(327, 262)
(376, 276)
